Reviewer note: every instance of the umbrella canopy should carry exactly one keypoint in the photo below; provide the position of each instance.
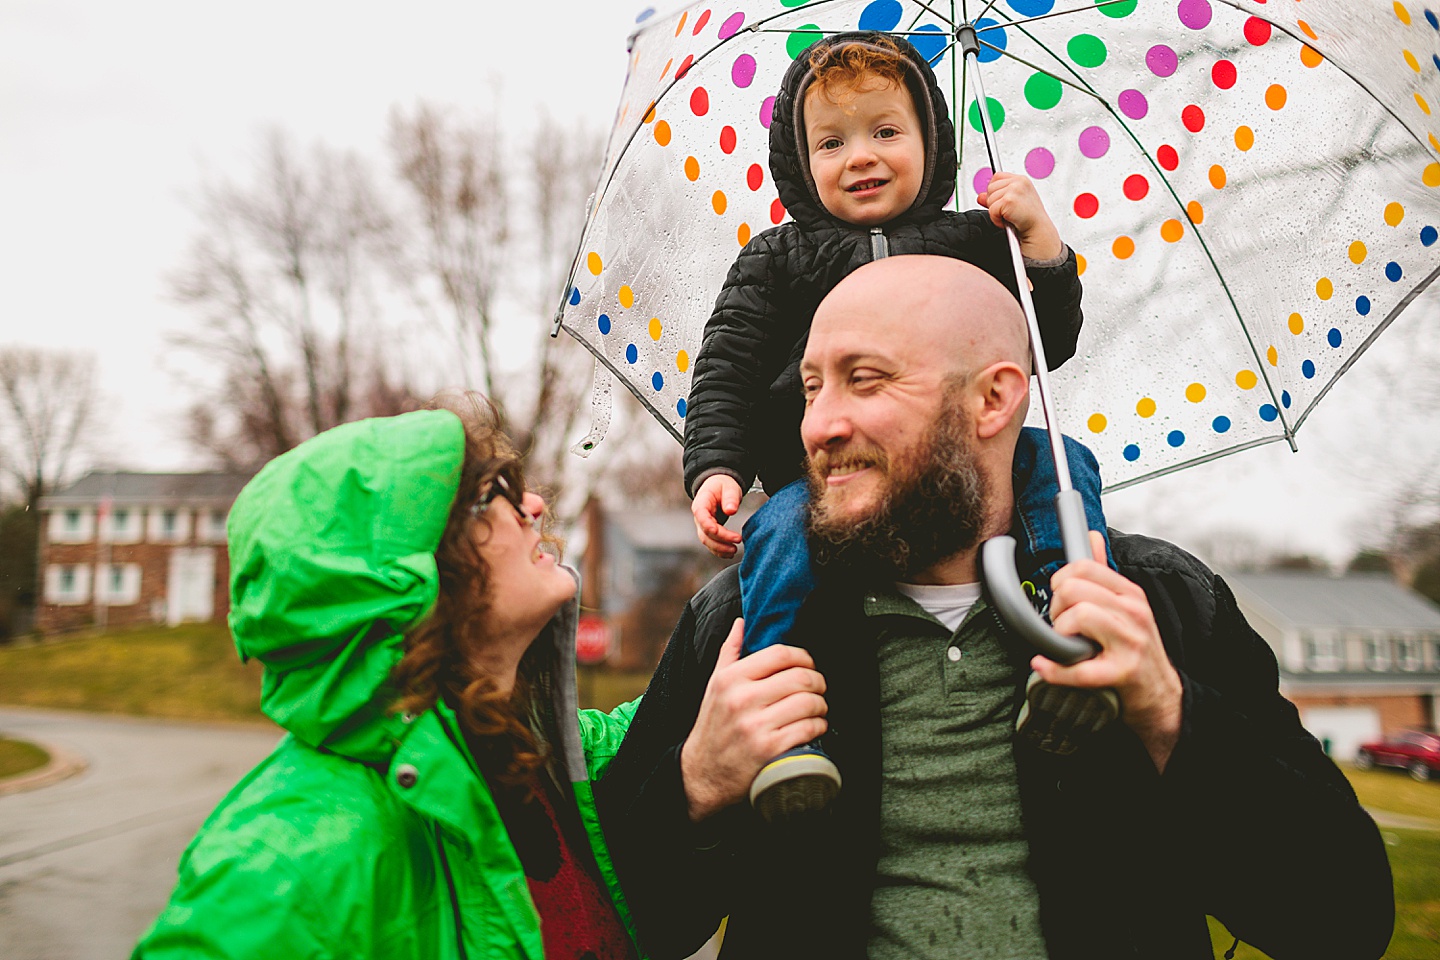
(1251, 188)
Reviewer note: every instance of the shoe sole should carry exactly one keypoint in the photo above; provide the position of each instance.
(794, 786)
(1059, 719)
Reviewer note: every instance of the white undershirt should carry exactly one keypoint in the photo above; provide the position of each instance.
(948, 603)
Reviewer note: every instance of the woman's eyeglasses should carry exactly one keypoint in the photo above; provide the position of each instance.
(506, 486)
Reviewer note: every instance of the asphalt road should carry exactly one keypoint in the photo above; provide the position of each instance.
(87, 863)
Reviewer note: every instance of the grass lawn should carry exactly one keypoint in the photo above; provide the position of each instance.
(17, 757)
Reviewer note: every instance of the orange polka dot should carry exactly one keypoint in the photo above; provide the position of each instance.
(1272, 357)
(1431, 175)
(1275, 96)
(1217, 177)
(626, 296)
(1424, 107)
(1297, 324)
(1195, 212)
(1079, 265)
(1402, 14)
(1244, 137)
(662, 133)
(1324, 289)
(1246, 379)
(1123, 248)
(1146, 407)
(692, 169)
(668, 64)
(1195, 392)
(1410, 61)
(1434, 143)
(656, 329)
(682, 361)
(594, 263)
(718, 201)
(1310, 57)
(1096, 423)
(649, 113)
(1171, 231)
(1357, 252)
(681, 25)
(1305, 29)
(743, 234)
(1394, 213)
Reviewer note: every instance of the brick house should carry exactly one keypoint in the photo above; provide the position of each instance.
(1359, 655)
(119, 549)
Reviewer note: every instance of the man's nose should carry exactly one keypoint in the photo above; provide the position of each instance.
(825, 423)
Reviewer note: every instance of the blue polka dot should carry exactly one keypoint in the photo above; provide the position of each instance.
(1436, 60)
(1285, 399)
(881, 15)
(1268, 412)
(681, 406)
(996, 38)
(657, 381)
(574, 296)
(1308, 368)
(641, 17)
(1221, 424)
(1393, 271)
(1430, 18)
(1362, 306)
(1333, 337)
(932, 47)
(604, 323)
(1175, 438)
(631, 354)
(1032, 8)
(1428, 235)
(1132, 452)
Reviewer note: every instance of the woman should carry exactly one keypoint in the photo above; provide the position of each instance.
(432, 799)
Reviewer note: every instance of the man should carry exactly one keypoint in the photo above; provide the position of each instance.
(949, 838)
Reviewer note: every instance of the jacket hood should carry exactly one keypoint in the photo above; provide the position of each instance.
(789, 156)
(332, 554)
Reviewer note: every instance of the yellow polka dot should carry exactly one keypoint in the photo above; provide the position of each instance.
(1305, 29)
(1431, 176)
(1096, 423)
(1324, 289)
(1246, 379)
(1195, 212)
(649, 113)
(718, 201)
(1297, 324)
(1079, 265)
(1410, 61)
(1244, 137)
(1275, 96)
(1171, 231)
(1424, 107)
(1217, 177)
(1402, 14)
(1394, 213)
(692, 169)
(1146, 407)
(743, 234)
(656, 329)
(682, 361)
(627, 297)
(1272, 356)
(1434, 143)
(593, 262)
(1357, 252)
(1123, 247)
(1195, 392)
(1310, 57)
(662, 133)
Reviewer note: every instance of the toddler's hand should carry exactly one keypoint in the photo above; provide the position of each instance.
(719, 494)
(1012, 198)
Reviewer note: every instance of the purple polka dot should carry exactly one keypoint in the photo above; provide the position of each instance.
(1195, 14)
(731, 26)
(767, 112)
(1039, 163)
(1161, 60)
(982, 180)
(743, 72)
(1133, 104)
(1094, 142)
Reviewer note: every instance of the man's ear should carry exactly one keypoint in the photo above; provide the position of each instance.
(1003, 393)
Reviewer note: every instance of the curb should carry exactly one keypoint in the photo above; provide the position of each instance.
(64, 763)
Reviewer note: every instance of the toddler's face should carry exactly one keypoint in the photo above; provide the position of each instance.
(867, 151)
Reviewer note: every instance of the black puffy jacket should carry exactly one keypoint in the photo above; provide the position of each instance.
(746, 400)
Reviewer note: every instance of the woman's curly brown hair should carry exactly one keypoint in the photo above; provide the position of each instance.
(509, 732)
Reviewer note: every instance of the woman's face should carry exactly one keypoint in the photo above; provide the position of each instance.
(526, 585)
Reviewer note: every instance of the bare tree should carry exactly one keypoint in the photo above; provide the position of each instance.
(47, 402)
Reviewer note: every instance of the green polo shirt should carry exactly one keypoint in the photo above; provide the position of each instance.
(951, 880)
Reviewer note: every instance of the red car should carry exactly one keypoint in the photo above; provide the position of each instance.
(1415, 750)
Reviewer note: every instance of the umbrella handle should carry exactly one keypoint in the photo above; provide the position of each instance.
(997, 561)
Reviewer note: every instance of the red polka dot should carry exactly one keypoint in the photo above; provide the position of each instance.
(1257, 31)
(1223, 73)
(1192, 116)
(1136, 187)
(700, 102)
(727, 139)
(700, 23)
(1086, 206)
(755, 176)
(1167, 156)
(685, 66)
(777, 211)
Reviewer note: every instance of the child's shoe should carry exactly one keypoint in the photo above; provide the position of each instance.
(801, 781)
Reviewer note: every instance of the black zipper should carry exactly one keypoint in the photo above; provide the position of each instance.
(454, 896)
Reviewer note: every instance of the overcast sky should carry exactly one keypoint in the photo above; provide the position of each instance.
(113, 114)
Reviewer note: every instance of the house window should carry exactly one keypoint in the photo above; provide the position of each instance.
(118, 584)
(1378, 654)
(67, 584)
(67, 579)
(168, 523)
(1322, 653)
(72, 521)
(217, 525)
(1411, 653)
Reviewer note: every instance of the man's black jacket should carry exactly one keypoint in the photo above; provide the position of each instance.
(746, 400)
(1250, 823)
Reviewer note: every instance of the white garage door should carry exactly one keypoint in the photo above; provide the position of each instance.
(1342, 729)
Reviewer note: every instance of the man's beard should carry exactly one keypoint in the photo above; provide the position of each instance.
(932, 507)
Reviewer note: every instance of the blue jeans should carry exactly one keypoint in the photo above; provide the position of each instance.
(776, 572)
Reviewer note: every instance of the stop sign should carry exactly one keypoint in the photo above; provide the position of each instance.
(592, 639)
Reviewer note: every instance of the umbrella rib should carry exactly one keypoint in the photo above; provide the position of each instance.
(1043, 16)
(1195, 462)
(1006, 53)
(634, 390)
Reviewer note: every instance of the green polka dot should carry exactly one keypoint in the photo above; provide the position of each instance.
(1118, 10)
(997, 114)
(801, 3)
(1042, 91)
(1086, 50)
(802, 39)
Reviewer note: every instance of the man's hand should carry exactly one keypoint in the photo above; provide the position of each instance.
(1092, 600)
(754, 708)
(1012, 198)
(718, 494)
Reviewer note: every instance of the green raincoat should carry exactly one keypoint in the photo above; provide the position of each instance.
(365, 834)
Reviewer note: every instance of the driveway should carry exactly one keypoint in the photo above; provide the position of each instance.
(87, 863)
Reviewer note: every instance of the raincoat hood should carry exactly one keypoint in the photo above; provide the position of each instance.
(789, 155)
(332, 554)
